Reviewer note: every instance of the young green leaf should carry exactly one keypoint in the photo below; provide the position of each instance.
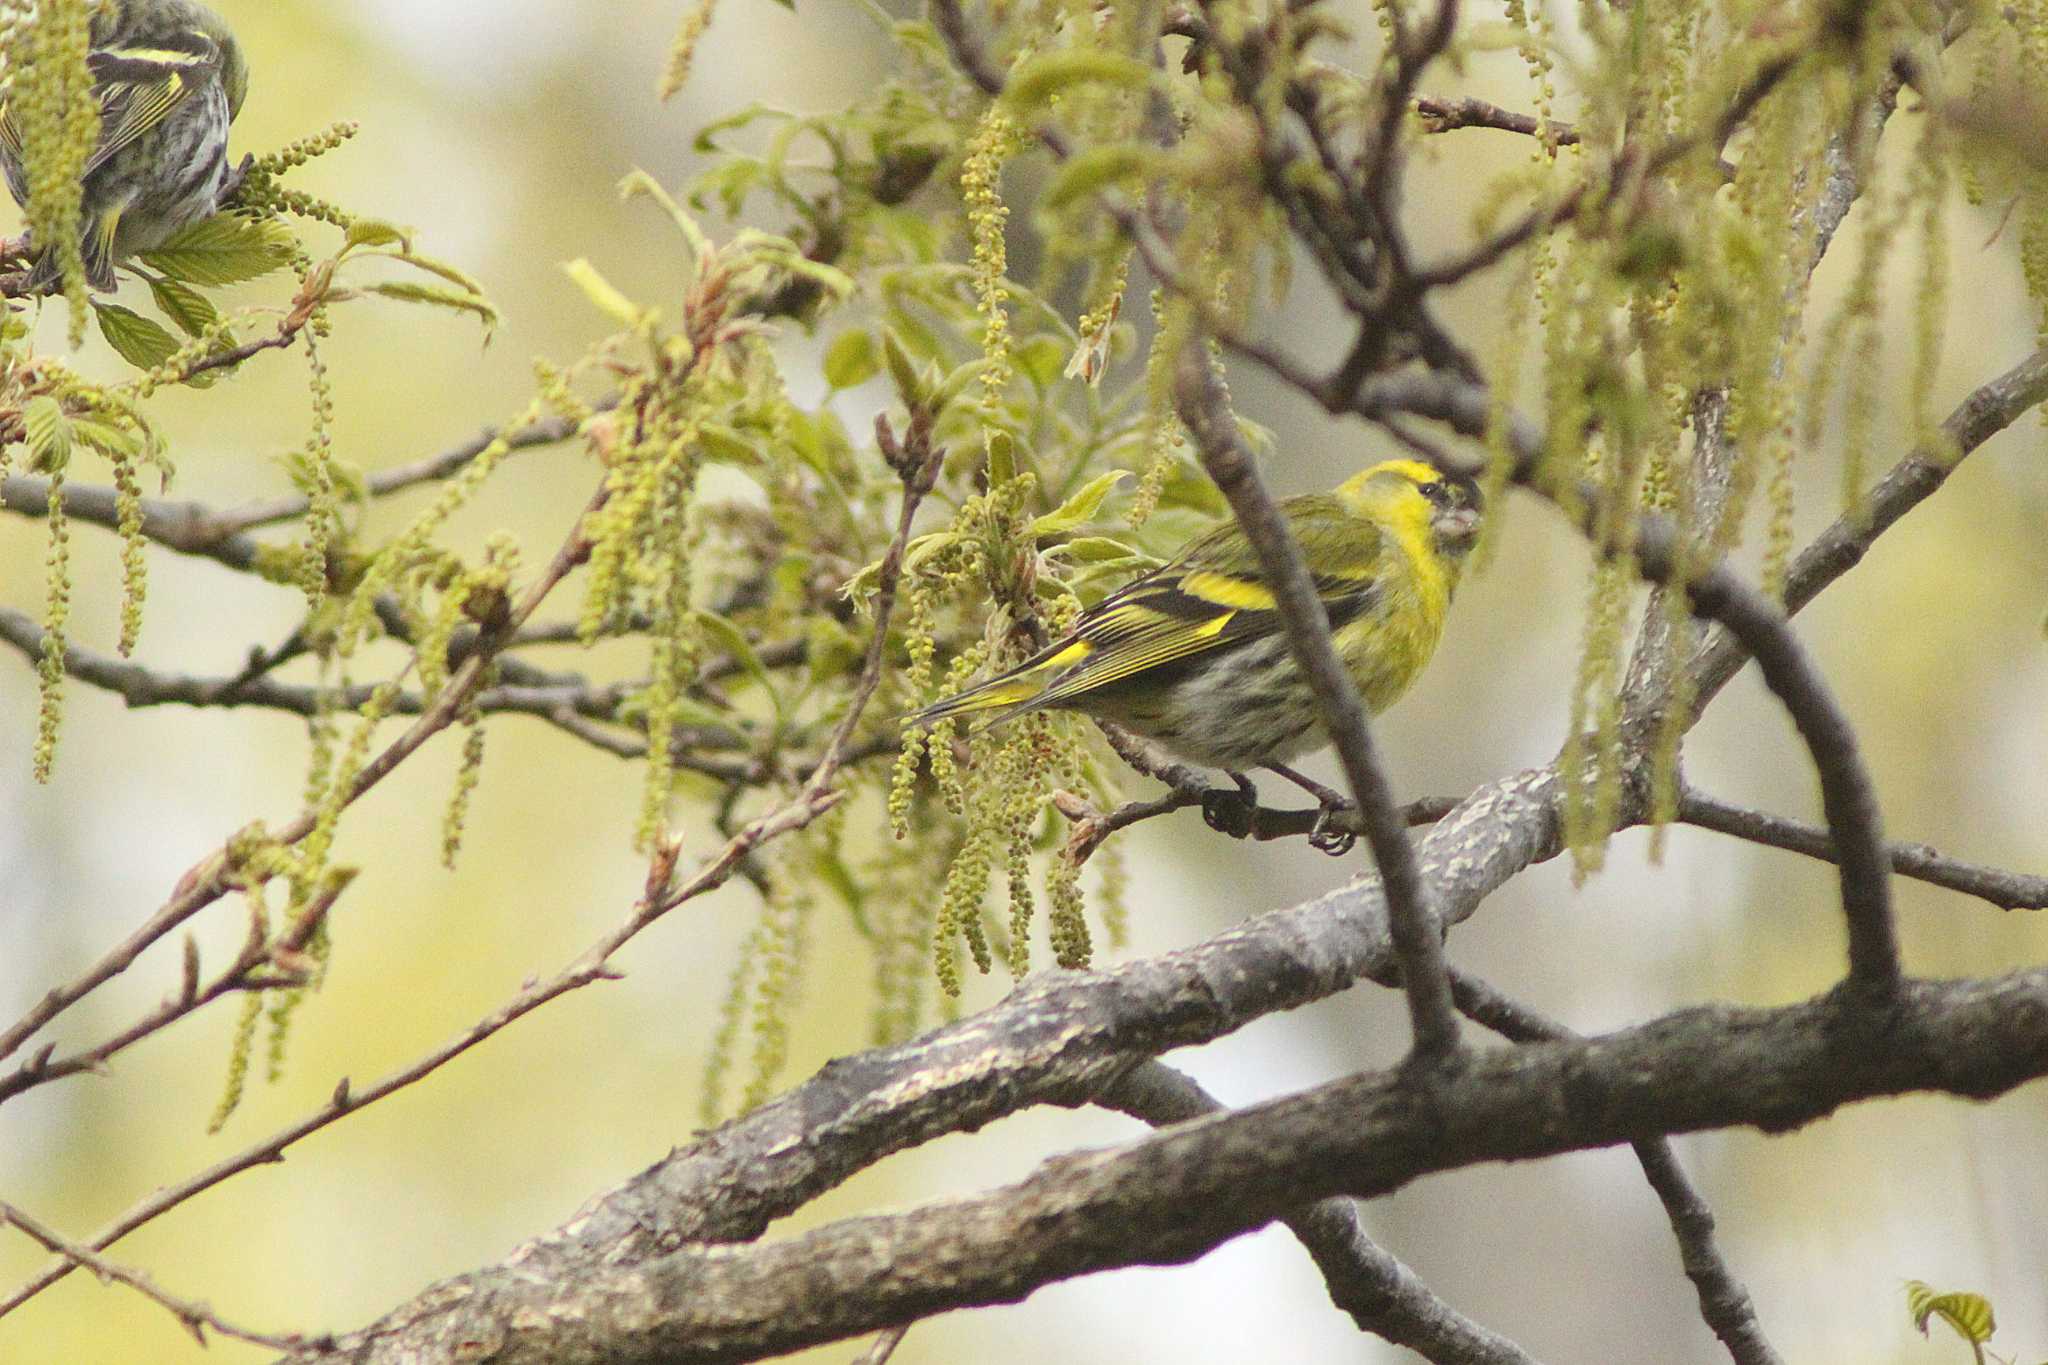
(48, 434)
(412, 291)
(191, 310)
(224, 249)
(1969, 1315)
(733, 641)
(1081, 508)
(138, 340)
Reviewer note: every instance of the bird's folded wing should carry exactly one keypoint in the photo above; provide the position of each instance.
(140, 86)
(1171, 615)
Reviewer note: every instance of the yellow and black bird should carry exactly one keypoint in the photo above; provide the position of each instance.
(169, 78)
(1194, 654)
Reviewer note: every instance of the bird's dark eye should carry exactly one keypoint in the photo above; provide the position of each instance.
(1437, 492)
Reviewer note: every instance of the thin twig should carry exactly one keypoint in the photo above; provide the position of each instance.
(1717, 593)
(1418, 942)
(1724, 1302)
(1365, 1280)
(266, 511)
(209, 879)
(193, 1316)
(917, 462)
(2004, 889)
(884, 1346)
(1441, 114)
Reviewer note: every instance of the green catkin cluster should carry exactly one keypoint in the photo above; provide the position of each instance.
(1172, 324)
(262, 192)
(323, 507)
(981, 175)
(52, 108)
(56, 615)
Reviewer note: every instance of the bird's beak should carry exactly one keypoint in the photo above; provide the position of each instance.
(1458, 527)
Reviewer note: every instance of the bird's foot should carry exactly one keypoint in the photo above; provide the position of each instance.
(1230, 812)
(1325, 836)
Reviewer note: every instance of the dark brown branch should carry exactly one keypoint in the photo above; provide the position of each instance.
(1443, 115)
(2006, 890)
(1724, 1303)
(1417, 935)
(1382, 1295)
(1174, 1195)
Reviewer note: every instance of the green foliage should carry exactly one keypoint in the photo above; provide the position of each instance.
(1968, 1315)
(968, 261)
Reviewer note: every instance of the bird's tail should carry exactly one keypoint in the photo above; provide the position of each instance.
(998, 699)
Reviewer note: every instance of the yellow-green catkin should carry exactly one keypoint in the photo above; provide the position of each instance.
(467, 774)
(981, 175)
(240, 1049)
(323, 508)
(134, 561)
(918, 615)
(1066, 917)
(54, 112)
(1591, 759)
(1928, 181)
(682, 52)
(1172, 324)
(785, 922)
(56, 615)
(732, 1014)
(261, 190)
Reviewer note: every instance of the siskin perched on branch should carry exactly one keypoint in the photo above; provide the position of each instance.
(169, 78)
(1194, 654)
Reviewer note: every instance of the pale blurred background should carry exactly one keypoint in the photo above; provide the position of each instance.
(499, 130)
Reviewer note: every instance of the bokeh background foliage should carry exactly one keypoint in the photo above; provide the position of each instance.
(915, 248)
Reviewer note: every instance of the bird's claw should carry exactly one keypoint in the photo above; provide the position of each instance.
(1227, 812)
(1327, 837)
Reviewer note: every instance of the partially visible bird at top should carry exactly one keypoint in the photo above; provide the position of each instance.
(1194, 654)
(169, 78)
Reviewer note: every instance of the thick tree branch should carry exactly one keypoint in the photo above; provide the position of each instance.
(1417, 937)
(1170, 1197)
